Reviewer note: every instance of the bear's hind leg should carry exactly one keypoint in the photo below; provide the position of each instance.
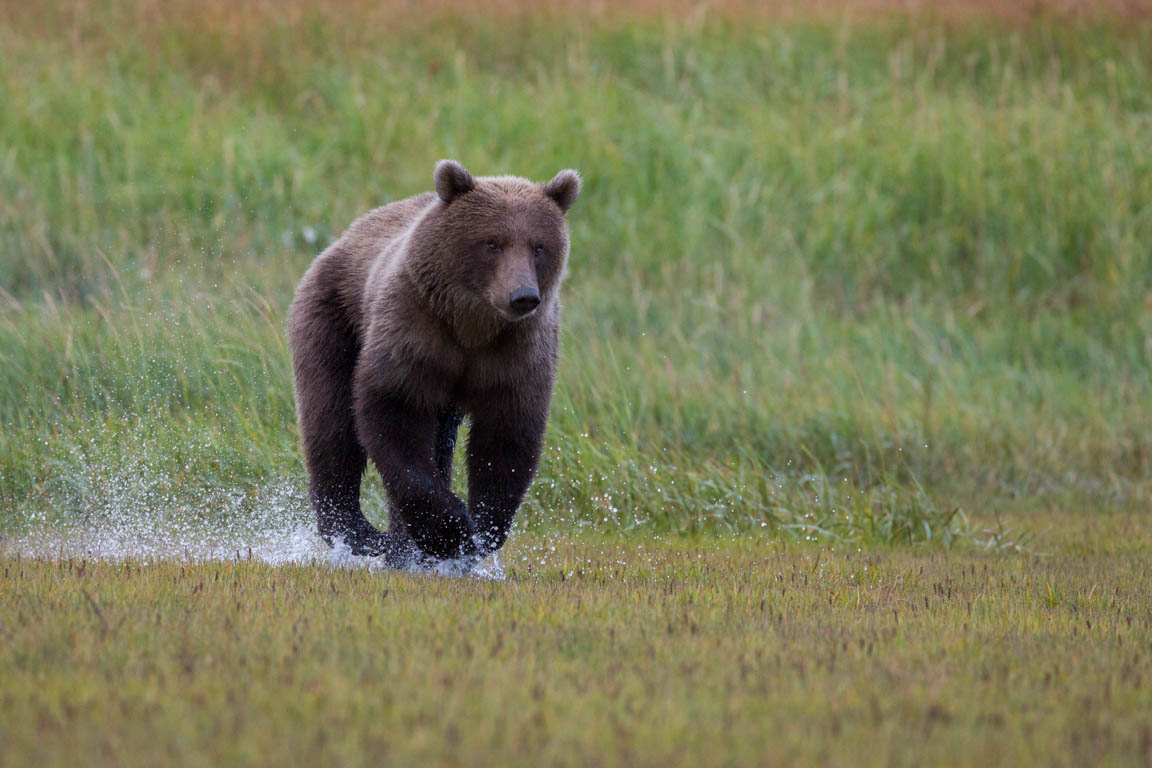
(447, 425)
(324, 359)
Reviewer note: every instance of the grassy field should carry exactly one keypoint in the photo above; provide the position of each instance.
(735, 652)
(852, 285)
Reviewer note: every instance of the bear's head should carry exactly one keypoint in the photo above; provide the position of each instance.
(494, 246)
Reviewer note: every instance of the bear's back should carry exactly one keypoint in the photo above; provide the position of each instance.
(338, 275)
(375, 229)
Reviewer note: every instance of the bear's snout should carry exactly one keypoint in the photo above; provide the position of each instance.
(514, 290)
(523, 300)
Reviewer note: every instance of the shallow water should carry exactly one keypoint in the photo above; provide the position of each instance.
(132, 517)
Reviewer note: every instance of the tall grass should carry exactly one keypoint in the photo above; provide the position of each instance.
(830, 276)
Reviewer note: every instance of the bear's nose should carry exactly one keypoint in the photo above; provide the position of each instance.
(523, 300)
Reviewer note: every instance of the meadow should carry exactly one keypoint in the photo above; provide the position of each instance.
(594, 651)
(852, 287)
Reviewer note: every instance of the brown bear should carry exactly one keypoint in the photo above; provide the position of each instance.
(427, 310)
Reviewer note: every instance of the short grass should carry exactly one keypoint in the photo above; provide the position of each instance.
(742, 651)
(850, 287)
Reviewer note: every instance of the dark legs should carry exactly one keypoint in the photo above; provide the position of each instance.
(324, 357)
(447, 424)
(410, 448)
(503, 453)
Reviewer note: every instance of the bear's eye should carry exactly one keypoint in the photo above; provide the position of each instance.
(538, 251)
(492, 246)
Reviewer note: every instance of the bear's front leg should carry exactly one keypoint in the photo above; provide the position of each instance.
(400, 438)
(504, 447)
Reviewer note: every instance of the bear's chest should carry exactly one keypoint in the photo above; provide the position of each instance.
(486, 374)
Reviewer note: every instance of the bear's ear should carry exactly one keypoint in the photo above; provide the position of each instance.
(452, 180)
(564, 188)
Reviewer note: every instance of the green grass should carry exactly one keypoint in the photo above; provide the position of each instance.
(905, 257)
(594, 651)
(882, 283)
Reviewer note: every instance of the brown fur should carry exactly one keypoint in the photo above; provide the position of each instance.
(409, 322)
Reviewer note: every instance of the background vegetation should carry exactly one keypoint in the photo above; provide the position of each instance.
(883, 264)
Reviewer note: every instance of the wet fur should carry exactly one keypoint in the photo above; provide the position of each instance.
(399, 330)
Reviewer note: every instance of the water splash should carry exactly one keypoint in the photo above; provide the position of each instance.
(132, 515)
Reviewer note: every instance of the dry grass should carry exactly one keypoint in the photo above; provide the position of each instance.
(374, 18)
(591, 653)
